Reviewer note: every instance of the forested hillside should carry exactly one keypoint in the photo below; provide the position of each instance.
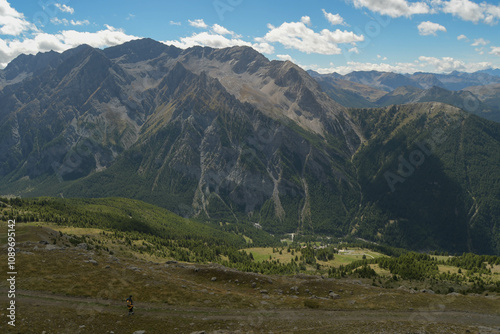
(425, 180)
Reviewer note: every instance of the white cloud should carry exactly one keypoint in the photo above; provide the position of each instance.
(217, 41)
(462, 37)
(480, 41)
(354, 50)
(264, 48)
(469, 11)
(285, 57)
(380, 57)
(173, 23)
(103, 38)
(43, 42)
(492, 14)
(334, 19)
(64, 8)
(66, 22)
(198, 24)
(466, 10)
(427, 64)
(79, 23)
(495, 50)
(218, 29)
(56, 20)
(430, 28)
(11, 21)
(357, 66)
(296, 35)
(393, 8)
(30, 40)
(306, 20)
(215, 37)
(449, 64)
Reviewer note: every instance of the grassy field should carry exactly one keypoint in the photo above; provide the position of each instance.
(66, 288)
(449, 269)
(342, 258)
(74, 279)
(262, 254)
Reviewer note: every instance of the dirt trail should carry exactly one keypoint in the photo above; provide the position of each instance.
(69, 314)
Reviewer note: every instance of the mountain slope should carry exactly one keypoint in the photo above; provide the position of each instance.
(465, 100)
(220, 134)
(432, 178)
(377, 89)
(385, 81)
(460, 80)
(208, 154)
(228, 136)
(427, 80)
(348, 93)
(490, 96)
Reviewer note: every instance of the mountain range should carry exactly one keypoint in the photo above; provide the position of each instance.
(227, 135)
(474, 92)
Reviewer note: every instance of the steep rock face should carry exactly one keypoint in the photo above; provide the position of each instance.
(228, 135)
(76, 106)
(203, 152)
(28, 65)
(224, 134)
(282, 90)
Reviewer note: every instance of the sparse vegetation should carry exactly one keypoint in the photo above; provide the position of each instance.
(135, 229)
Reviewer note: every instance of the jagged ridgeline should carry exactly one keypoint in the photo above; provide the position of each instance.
(227, 135)
(220, 134)
(476, 93)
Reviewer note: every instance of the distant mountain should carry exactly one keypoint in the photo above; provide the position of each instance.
(424, 87)
(332, 76)
(349, 94)
(491, 71)
(386, 81)
(455, 80)
(228, 136)
(427, 80)
(490, 96)
(465, 100)
(400, 95)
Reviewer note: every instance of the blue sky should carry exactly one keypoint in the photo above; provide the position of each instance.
(328, 36)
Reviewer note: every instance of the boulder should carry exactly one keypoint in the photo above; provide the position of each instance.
(333, 295)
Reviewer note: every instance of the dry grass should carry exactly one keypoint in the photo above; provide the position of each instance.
(449, 269)
(58, 292)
